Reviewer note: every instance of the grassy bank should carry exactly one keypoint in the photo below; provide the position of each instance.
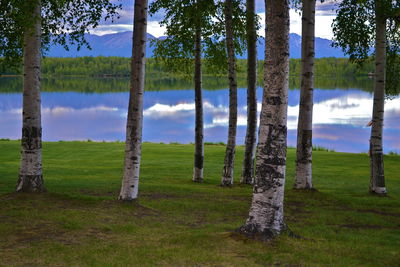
(179, 223)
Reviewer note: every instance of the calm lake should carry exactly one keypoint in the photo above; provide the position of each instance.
(95, 109)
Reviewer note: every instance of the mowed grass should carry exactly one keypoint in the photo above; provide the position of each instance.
(176, 222)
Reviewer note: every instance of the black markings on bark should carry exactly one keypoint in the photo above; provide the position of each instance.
(306, 145)
(378, 168)
(31, 138)
(271, 147)
(274, 100)
(198, 161)
(269, 172)
(307, 137)
(275, 161)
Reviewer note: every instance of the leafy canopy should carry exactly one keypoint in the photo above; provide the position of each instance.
(63, 21)
(182, 19)
(354, 31)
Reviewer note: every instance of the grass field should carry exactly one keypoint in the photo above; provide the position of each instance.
(176, 222)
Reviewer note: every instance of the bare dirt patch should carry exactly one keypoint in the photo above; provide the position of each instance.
(361, 226)
(379, 212)
(98, 194)
(157, 195)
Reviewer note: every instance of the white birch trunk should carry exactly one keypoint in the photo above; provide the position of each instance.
(266, 212)
(227, 173)
(30, 173)
(377, 183)
(303, 177)
(133, 146)
(250, 141)
(199, 128)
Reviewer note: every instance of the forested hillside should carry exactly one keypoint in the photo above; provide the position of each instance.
(119, 66)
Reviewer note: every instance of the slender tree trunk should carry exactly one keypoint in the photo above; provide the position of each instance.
(266, 212)
(227, 173)
(303, 178)
(30, 173)
(133, 146)
(377, 183)
(199, 143)
(250, 143)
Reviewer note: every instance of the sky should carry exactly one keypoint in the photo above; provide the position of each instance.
(324, 16)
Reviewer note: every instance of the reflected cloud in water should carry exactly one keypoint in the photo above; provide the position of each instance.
(340, 117)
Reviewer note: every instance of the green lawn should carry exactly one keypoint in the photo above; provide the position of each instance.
(176, 222)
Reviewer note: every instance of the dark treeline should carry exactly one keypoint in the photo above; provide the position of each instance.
(165, 82)
(119, 67)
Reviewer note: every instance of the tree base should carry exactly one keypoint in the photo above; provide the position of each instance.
(247, 180)
(128, 200)
(30, 184)
(378, 191)
(226, 184)
(198, 180)
(197, 175)
(250, 232)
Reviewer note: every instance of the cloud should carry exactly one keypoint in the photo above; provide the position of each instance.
(323, 24)
(327, 7)
(152, 27)
(114, 28)
(126, 13)
(325, 13)
(155, 29)
(352, 109)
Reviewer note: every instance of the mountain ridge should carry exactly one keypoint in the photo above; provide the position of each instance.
(120, 45)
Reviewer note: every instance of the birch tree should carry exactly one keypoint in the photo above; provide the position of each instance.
(133, 145)
(195, 28)
(188, 23)
(266, 218)
(358, 27)
(227, 173)
(377, 181)
(227, 41)
(27, 27)
(30, 172)
(251, 138)
(303, 177)
(198, 99)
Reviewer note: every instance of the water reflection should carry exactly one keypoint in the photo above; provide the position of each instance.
(340, 117)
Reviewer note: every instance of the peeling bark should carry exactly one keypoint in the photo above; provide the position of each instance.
(303, 177)
(227, 173)
(266, 212)
(30, 172)
(250, 141)
(133, 145)
(377, 182)
(199, 142)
